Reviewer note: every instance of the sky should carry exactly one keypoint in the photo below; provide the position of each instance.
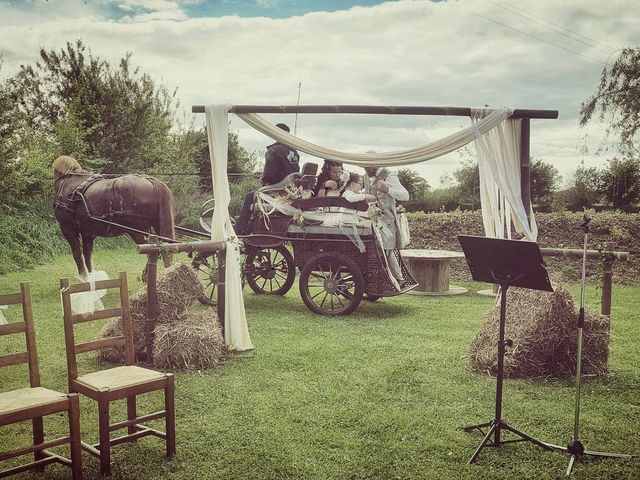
(464, 53)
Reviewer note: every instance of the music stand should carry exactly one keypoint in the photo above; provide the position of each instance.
(506, 263)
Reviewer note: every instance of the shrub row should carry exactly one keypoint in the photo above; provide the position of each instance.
(556, 230)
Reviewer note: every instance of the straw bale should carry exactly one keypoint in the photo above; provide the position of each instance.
(542, 326)
(177, 288)
(194, 341)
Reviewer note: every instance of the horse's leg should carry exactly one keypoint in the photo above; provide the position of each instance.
(87, 250)
(73, 237)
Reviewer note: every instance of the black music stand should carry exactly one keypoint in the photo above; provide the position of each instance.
(506, 263)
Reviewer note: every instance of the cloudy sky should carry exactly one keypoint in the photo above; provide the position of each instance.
(546, 54)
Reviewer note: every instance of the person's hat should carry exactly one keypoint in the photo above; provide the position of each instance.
(283, 126)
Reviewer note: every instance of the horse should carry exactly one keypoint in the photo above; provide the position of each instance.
(90, 205)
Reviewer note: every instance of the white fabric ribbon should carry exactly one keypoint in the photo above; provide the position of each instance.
(3, 321)
(89, 302)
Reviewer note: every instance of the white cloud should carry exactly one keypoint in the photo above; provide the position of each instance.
(397, 53)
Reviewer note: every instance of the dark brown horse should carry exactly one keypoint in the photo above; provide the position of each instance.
(139, 202)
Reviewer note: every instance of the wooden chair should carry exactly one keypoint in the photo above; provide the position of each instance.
(117, 383)
(34, 402)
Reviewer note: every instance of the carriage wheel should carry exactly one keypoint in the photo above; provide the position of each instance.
(331, 284)
(207, 269)
(270, 271)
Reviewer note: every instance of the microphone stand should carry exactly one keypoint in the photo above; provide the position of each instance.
(575, 446)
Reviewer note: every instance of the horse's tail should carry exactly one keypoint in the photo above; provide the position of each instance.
(165, 209)
(165, 215)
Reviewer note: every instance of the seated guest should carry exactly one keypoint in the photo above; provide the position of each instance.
(353, 190)
(280, 161)
(353, 194)
(330, 182)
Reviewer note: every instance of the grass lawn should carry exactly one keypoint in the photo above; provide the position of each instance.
(380, 394)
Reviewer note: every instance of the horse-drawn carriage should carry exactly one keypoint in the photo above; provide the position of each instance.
(340, 261)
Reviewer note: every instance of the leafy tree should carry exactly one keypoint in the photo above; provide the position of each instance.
(240, 162)
(468, 178)
(584, 188)
(621, 181)
(414, 183)
(544, 179)
(125, 118)
(617, 99)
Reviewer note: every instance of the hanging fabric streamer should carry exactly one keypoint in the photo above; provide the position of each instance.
(3, 321)
(89, 302)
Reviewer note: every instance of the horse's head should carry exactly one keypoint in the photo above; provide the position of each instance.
(64, 165)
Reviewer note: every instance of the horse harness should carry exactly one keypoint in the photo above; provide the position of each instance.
(77, 196)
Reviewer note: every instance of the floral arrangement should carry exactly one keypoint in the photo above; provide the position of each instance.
(374, 212)
(293, 192)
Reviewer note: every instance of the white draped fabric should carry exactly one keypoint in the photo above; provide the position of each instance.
(498, 153)
(387, 159)
(497, 142)
(236, 334)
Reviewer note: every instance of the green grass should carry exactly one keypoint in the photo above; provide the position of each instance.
(380, 394)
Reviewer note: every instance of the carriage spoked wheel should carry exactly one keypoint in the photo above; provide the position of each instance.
(270, 271)
(207, 269)
(331, 284)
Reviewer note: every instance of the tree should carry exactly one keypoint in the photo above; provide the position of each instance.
(414, 183)
(621, 181)
(584, 188)
(125, 118)
(468, 178)
(617, 100)
(239, 161)
(544, 179)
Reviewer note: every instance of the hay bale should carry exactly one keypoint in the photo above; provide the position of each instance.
(542, 326)
(177, 288)
(194, 341)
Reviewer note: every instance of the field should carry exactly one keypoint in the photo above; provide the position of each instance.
(380, 394)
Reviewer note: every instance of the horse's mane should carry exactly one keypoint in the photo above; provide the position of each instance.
(65, 165)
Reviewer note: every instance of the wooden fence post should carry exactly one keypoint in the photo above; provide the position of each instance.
(152, 298)
(607, 279)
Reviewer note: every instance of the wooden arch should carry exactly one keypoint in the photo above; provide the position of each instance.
(525, 114)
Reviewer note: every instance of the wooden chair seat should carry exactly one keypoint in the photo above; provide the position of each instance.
(23, 398)
(119, 378)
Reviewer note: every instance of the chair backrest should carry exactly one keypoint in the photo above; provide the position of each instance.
(70, 319)
(309, 168)
(23, 297)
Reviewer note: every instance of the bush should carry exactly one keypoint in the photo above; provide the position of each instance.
(28, 237)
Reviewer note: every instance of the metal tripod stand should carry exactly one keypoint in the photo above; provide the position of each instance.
(498, 424)
(575, 446)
